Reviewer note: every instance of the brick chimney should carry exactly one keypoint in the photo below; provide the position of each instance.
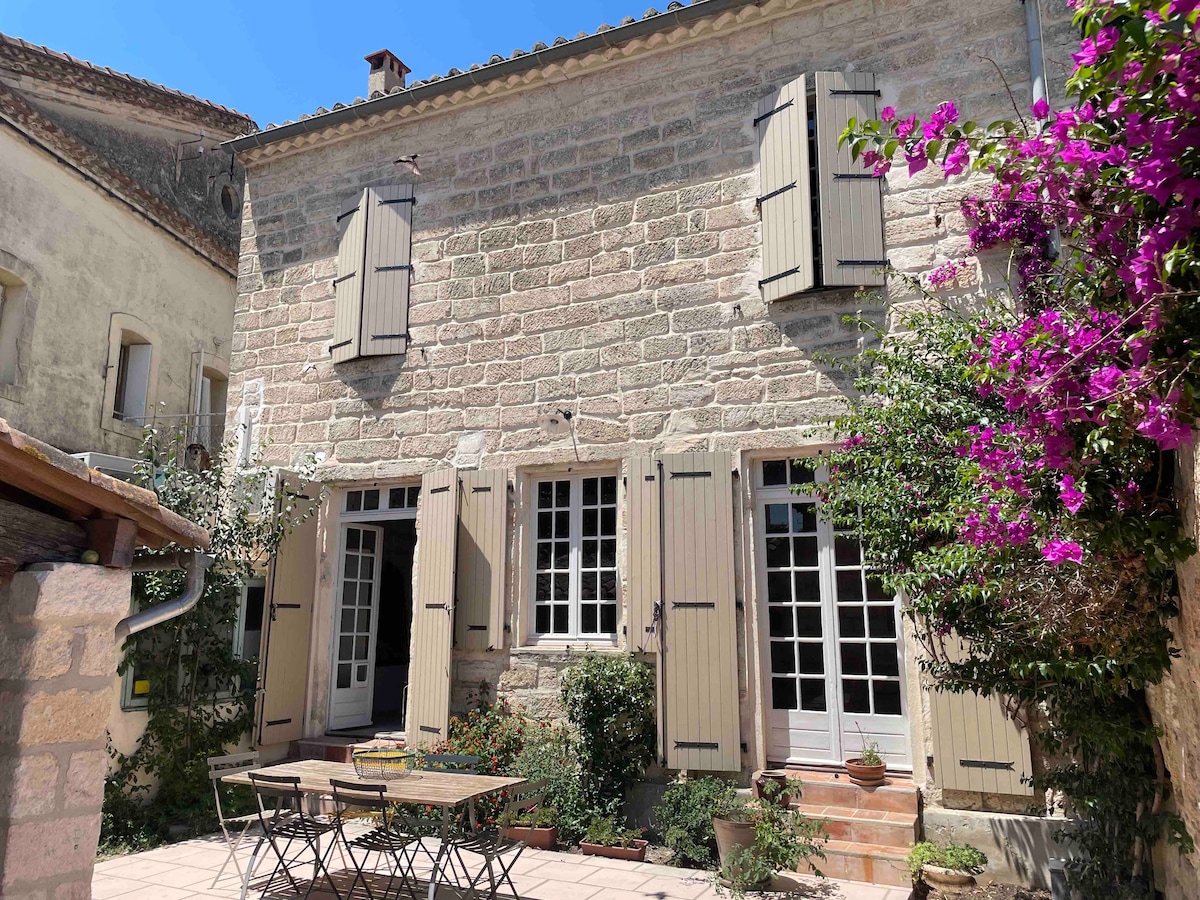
(387, 73)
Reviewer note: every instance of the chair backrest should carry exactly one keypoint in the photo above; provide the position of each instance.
(452, 763)
(220, 766)
(363, 795)
(278, 788)
(526, 797)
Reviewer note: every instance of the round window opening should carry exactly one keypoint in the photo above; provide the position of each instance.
(230, 202)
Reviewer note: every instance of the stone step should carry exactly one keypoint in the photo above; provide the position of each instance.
(896, 794)
(872, 863)
(865, 826)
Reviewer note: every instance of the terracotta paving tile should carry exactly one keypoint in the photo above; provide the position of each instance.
(560, 890)
(182, 876)
(106, 886)
(157, 892)
(662, 886)
(565, 871)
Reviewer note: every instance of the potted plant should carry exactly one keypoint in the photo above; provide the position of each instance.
(779, 793)
(868, 768)
(950, 868)
(606, 837)
(537, 827)
(757, 838)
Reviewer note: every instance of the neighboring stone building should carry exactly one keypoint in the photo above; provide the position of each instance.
(58, 654)
(551, 325)
(119, 227)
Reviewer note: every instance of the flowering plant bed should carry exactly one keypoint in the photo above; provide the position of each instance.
(635, 851)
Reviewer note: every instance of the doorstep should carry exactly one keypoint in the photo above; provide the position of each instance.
(871, 829)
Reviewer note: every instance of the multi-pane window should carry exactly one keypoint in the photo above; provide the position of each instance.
(359, 578)
(382, 499)
(830, 623)
(575, 557)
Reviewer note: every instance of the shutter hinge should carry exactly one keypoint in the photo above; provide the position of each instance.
(697, 745)
(476, 628)
(852, 92)
(435, 606)
(389, 337)
(333, 347)
(693, 604)
(772, 112)
(691, 474)
(412, 200)
(765, 281)
(277, 722)
(486, 489)
(348, 212)
(342, 278)
(401, 268)
(440, 490)
(987, 764)
(855, 176)
(429, 729)
(775, 193)
(863, 262)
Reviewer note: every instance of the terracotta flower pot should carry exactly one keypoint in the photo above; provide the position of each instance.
(537, 838)
(636, 851)
(865, 776)
(734, 836)
(783, 797)
(947, 881)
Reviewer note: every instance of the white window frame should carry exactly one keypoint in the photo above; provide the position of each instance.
(576, 476)
(238, 645)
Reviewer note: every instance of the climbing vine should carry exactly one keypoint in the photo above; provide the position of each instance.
(199, 692)
(1011, 471)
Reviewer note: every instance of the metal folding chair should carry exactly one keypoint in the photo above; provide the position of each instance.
(383, 838)
(417, 824)
(452, 763)
(218, 768)
(280, 814)
(499, 853)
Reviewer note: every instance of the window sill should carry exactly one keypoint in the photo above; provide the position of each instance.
(559, 647)
(120, 426)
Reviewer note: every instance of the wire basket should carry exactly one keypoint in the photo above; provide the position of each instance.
(386, 763)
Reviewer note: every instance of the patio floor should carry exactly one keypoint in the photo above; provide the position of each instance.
(189, 870)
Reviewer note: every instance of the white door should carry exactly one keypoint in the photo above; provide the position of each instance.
(834, 654)
(353, 675)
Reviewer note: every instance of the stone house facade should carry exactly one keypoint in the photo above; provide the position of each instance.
(596, 355)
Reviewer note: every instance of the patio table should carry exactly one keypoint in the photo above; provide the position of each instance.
(424, 787)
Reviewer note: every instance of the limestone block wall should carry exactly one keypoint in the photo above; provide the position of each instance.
(591, 243)
(57, 658)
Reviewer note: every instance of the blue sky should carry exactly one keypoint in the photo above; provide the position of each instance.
(275, 60)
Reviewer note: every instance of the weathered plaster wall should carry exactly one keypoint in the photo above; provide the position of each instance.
(593, 244)
(85, 257)
(57, 658)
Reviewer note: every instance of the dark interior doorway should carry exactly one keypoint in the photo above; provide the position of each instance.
(394, 625)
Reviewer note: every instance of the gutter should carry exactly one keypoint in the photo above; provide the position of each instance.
(193, 564)
(490, 72)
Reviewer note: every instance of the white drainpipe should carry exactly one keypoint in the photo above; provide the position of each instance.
(1037, 62)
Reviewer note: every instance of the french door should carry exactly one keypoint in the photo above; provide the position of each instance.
(835, 657)
(355, 619)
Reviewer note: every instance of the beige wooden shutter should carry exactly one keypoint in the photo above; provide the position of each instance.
(482, 551)
(348, 284)
(433, 610)
(699, 723)
(283, 655)
(644, 581)
(976, 746)
(784, 191)
(851, 207)
(388, 270)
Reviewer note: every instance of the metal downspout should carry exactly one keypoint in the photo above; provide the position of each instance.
(193, 564)
(1037, 61)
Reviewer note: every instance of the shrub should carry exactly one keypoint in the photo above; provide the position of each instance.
(960, 857)
(550, 753)
(610, 702)
(493, 733)
(684, 817)
(783, 839)
(608, 832)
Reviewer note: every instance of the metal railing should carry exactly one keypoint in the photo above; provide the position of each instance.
(200, 433)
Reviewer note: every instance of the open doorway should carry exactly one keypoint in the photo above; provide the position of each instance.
(373, 612)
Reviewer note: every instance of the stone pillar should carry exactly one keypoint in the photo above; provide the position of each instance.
(57, 660)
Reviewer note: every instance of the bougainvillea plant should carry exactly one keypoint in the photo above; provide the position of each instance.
(1012, 471)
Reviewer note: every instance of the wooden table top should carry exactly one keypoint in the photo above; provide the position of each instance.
(423, 786)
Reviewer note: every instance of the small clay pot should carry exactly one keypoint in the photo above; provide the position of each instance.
(865, 776)
(947, 881)
(782, 797)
